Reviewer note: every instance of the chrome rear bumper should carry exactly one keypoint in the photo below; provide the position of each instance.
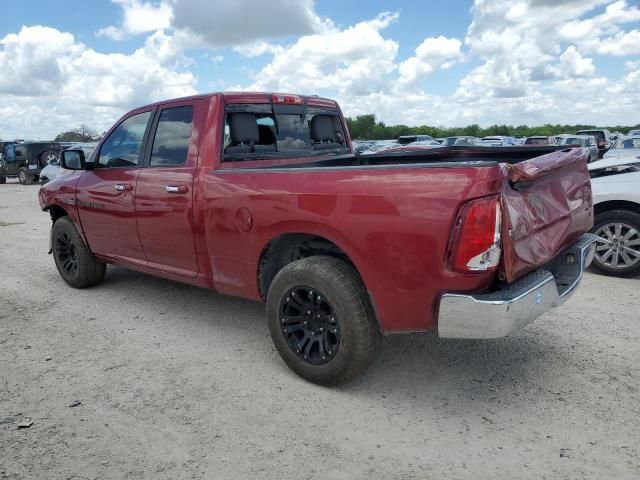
(499, 313)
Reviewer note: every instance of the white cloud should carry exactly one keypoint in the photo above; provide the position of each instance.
(55, 82)
(533, 61)
(238, 22)
(431, 54)
(139, 17)
(354, 60)
(573, 64)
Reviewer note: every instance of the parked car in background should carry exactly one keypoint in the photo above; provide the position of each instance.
(459, 140)
(633, 133)
(496, 141)
(540, 140)
(360, 146)
(406, 139)
(343, 249)
(412, 147)
(379, 146)
(624, 147)
(615, 183)
(603, 137)
(51, 171)
(584, 141)
(26, 160)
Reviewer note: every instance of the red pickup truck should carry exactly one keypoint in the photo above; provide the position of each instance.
(260, 196)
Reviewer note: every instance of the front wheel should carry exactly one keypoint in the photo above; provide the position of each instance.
(618, 245)
(75, 263)
(321, 320)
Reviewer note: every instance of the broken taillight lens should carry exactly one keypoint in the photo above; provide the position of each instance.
(477, 244)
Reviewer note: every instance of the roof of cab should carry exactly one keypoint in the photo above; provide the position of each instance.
(246, 97)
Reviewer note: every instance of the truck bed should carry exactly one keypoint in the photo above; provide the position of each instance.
(445, 156)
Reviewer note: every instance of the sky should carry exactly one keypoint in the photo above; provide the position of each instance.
(518, 62)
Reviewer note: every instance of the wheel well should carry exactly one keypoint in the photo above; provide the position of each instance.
(616, 205)
(289, 248)
(56, 212)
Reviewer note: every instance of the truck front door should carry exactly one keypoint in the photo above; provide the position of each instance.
(105, 195)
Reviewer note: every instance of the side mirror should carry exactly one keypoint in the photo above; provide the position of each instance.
(72, 160)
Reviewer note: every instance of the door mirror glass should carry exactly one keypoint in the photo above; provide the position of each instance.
(72, 159)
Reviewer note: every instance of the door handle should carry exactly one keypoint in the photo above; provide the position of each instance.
(121, 187)
(176, 188)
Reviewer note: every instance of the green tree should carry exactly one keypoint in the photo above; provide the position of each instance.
(81, 134)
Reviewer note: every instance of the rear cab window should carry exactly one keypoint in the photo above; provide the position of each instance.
(263, 131)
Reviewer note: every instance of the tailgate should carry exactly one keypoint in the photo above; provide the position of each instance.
(547, 206)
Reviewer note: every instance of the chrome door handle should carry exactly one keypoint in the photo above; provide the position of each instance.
(121, 187)
(176, 188)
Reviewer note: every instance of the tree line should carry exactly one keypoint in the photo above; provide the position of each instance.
(366, 127)
(82, 134)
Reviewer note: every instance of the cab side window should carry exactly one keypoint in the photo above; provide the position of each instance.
(122, 147)
(173, 136)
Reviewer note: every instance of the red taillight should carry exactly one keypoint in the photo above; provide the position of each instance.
(477, 243)
(286, 99)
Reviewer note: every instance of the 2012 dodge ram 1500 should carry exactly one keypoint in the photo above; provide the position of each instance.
(259, 195)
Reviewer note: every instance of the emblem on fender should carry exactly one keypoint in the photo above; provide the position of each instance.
(539, 297)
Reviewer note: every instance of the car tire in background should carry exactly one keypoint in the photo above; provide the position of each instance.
(3, 178)
(47, 157)
(43, 180)
(75, 263)
(321, 320)
(24, 177)
(618, 245)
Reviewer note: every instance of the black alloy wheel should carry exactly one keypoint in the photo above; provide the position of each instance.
(310, 325)
(74, 261)
(66, 253)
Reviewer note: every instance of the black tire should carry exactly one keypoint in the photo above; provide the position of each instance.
(341, 287)
(3, 178)
(43, 180)
(24, 177)
(75, 263)
(628, 220)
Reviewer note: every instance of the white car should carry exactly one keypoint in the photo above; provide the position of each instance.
(53, 169)
(615, 182)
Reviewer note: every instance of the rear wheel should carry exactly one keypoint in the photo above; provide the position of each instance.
(75, 263)
(618, 244)
(321, 320)
(3, 178)
(24, 177)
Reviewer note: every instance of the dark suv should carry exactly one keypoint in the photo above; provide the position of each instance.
(26, 160)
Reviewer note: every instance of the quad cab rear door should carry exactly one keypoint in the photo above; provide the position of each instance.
(547, 205)
(165, 188)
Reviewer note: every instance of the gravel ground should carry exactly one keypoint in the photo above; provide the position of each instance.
(178, 382)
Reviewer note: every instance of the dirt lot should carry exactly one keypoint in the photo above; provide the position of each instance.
(178, 382)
